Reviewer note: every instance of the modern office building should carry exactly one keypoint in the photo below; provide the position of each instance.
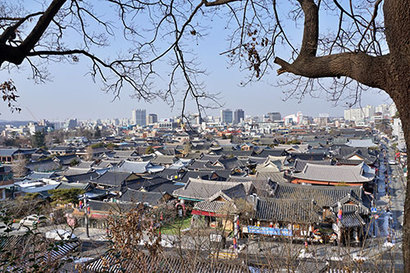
(226, 116)
(152, 118)
(238, 116)
(139, 117)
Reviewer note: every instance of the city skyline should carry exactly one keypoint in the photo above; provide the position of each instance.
(123, 107)
(71, 93)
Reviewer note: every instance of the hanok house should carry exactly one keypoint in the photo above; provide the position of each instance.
(345, 155)
(212, 196)
(138, 167)
(62, 150)
(149, 199)
(220, 209)
(8, 155)
(334, 175)
(272, 164)
(352, 202)
(113, 180)
(293, 218)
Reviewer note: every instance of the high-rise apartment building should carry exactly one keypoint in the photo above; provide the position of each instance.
(359, 114)
(238, 116)
(152, 118)
(226, 116)
(139, 117)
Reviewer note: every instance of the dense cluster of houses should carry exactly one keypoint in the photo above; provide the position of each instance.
(320, 188)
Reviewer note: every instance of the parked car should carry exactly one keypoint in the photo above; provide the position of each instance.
(33, 221)
(60, 235)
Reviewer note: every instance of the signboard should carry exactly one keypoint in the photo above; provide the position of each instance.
(269, 231)
(373, 210)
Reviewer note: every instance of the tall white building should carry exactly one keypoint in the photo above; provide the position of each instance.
(359, 114)
(139, 117)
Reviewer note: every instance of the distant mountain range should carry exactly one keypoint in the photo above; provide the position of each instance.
(16, 123)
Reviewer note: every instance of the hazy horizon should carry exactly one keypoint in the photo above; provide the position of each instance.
(71, 93)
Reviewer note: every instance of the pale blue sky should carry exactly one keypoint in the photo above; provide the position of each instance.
(73, 94)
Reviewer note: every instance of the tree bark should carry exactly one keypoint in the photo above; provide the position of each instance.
(389, 73)
(397, 22)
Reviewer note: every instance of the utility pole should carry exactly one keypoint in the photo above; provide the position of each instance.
(87, 232)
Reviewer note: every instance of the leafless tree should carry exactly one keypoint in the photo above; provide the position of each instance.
(367, 47)
(19, 166)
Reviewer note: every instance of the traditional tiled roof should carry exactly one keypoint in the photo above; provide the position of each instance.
(272, 164)
(346, 174)
(229, 163)
(168, 173)
(215, 207)
(351, 203)
(167, 151)
(361, 143)
(221, 175)
(112, 262)
(126, 154)
(344, 152)
(46, 255)
(154, 184)
(164, 159)
(350, 220)
(43, 166)
(271, 152)
(299, 148)
(287, 210)
(8, 152)
(254, 160)
(199, 189)
(168, 187)
(40, 175)
(109, 206)
(112, 179)
(85, 164)
(202, 165)
(132, 167)
(308, 156)
(237, 153)
(232, 193)
(71, 171)
(80, 177)
(105, 164)
(211, 158)
(81, 186)
(300, 164)
(67, 159)
(264, 187)
(133, 196)
(274, 176)
(324, 196)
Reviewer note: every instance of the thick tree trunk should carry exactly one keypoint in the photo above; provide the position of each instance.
(397, 22)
